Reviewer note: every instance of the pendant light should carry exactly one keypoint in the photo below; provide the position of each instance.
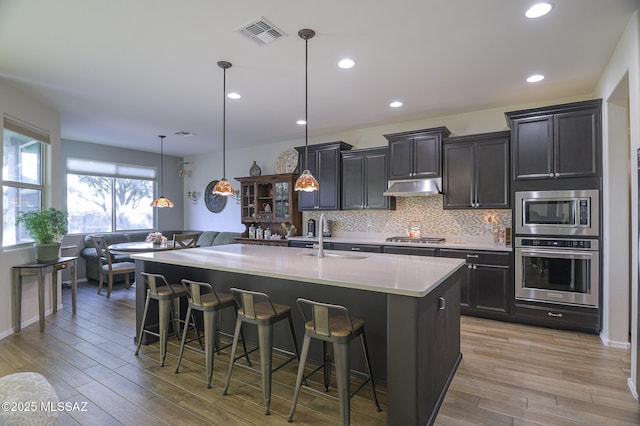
(223, 187)
(161, 201)
(306, 182)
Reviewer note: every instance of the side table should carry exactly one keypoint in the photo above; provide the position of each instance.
(40, 270)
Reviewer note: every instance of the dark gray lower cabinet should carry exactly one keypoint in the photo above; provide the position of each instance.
(486, 291)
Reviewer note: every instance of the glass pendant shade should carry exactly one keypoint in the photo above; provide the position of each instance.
(223, 187)
(161, 201)
(306, 182)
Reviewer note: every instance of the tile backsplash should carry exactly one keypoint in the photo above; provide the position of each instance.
(434, 220)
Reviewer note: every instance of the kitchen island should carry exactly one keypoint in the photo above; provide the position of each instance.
(410, 306)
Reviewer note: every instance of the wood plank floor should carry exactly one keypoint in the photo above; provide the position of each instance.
(510, 374)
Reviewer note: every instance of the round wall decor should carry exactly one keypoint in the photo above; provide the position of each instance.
(214, 202)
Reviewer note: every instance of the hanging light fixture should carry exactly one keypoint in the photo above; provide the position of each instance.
(306, 182)
(161, 201)
(223, 187)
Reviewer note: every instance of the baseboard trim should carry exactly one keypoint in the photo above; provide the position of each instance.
(632, 388)
(613, 343)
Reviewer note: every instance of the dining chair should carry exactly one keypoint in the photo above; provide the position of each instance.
(109, 266)
(185, 240)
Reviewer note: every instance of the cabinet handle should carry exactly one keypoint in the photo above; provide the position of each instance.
(441, 303)
(475, 267)
(550, 174)
(469, 266)
(557, 175)
(555, 315)
(355, 248)
(472, 256)
(308, 246)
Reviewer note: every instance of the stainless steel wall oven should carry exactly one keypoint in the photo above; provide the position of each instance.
(557, 270)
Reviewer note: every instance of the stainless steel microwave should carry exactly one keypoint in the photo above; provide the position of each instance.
(558, 213)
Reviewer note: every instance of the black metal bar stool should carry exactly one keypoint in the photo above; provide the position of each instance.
(333, 325)
(202, 297)
(168, 297)
(257, 308)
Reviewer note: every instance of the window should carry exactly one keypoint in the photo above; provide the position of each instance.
(106, 197)
(22, 177)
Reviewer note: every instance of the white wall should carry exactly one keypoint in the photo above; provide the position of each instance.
(22, 107)
(623, 69)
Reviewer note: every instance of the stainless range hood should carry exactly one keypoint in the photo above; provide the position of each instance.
(414, 187)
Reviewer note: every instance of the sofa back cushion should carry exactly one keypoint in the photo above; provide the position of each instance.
(226, 238)
(206, 238)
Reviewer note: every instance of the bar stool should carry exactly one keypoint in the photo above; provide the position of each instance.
(257, 308)
(168, 297)
(202, 297)
(333, 325)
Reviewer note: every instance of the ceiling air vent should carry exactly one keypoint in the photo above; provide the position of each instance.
(261, 31)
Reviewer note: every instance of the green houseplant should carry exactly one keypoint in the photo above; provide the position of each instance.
(46, 227)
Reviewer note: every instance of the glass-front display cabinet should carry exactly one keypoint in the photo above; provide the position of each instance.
(268, 202)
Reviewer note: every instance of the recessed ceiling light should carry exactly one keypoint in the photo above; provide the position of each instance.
(301, 122)
(183, 133)
(234, 95)
(395, 104)
(346, 63)
(535, 78)
(538, 10)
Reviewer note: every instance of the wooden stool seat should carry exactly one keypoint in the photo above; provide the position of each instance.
(339, 326)
(267, 311)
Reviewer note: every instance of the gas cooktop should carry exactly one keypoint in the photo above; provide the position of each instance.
(424, 240)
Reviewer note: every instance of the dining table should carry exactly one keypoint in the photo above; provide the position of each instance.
(140, 247)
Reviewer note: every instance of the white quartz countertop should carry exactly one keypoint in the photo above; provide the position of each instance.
(412, 276)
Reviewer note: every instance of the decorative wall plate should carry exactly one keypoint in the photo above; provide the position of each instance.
(287, 161)
(214, 202)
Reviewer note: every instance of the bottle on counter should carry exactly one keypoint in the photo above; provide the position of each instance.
(252, 231)
(267, 233)
(259, 233)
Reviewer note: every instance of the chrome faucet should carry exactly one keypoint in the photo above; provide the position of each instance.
(321, 236)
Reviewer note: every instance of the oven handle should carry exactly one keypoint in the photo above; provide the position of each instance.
(558, 253)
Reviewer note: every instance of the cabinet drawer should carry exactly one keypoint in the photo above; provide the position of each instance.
(370, 248)
(415, 251)
(478, 257)
(306, 244)
(561, 316)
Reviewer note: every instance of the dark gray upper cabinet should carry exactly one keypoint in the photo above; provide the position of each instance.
(416, 154)
(476, 171)
(324, 163)
(364, 179)
(557, 142)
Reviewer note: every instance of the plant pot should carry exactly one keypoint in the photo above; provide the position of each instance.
(47, 252)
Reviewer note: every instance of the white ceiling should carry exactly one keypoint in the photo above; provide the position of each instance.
(121, 72)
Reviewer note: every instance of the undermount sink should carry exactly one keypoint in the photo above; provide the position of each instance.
(336, 255)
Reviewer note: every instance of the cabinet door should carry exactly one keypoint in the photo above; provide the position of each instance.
(328, 169)
(308, 200)
(353, 182)
(490, 287)
(576, 143)
(532, 140)
(427, 156)
(401, 159)
(375, 166)
(492, 174)
(458, 176)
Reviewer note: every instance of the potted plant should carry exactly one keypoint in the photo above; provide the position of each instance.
(46, 227)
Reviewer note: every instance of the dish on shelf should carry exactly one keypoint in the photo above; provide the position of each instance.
(287, 161)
